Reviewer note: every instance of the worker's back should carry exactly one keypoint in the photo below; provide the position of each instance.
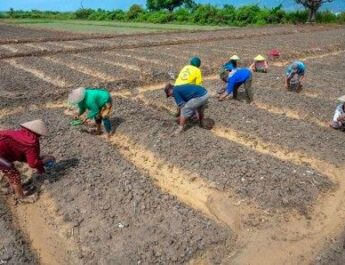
(189, 75)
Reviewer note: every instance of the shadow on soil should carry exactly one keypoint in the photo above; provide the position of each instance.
(116, 122)
(60, 169)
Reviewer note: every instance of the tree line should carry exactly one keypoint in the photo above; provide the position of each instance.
(187, 12)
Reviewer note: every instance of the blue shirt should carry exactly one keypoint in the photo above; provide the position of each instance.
(238, 78)
(300, 68)
(184, 93)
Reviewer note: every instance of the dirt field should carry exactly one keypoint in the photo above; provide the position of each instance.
(264, 186)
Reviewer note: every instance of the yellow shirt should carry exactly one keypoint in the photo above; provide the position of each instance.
(189, 75)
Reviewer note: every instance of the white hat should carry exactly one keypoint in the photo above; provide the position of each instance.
(77, 95)
(36, 126)
(235, 58)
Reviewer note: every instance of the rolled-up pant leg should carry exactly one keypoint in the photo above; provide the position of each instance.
(12, 175)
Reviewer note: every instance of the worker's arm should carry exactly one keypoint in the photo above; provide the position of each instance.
(198, 79)
(229, 89)
(301, 78)
(341, 118)
(93, 111)
(33, 159)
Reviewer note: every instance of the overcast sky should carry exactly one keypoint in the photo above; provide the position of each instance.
(70, 5)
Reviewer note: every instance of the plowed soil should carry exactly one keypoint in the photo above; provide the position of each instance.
(264, 186)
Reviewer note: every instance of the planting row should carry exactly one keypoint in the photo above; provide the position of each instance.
(119, 216)
(14, 250)
(262, 178)
(290, 41)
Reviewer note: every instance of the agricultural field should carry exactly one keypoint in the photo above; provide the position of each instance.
(264, 186)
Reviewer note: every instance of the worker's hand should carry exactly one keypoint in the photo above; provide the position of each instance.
(341, 118)
(86, 121)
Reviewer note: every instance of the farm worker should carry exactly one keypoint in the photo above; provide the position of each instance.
(191, 101)
(22, 145)
(231, 65)
(97, 102)
(234, 60)
(241, 76)
(339, 116)
(296, 68)
(259, 65)
(190, 74)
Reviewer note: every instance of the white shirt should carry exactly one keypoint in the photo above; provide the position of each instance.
(338, 112)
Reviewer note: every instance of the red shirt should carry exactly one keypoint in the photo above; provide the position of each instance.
(21, 145)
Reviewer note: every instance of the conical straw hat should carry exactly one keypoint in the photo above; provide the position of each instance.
(234, 58)
(259, 58)
(77, 95)
(36, 126)
(341, 99)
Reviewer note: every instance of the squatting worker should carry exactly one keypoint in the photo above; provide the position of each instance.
(97, 102)
(191, 101)
(22, 145)
(338, 121)
(242, 76)
(295, 70)
(190, 74)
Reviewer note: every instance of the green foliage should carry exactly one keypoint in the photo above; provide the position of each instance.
(341, 18)
(134, 11)
(247, 15)
(161, 17)
(155, 5)
(182, 15)
(83, 13)
(297, 17)
(198, 14)
(117, 14)
(326, 17)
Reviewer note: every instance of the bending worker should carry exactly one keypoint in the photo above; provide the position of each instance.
(190, 74)
(259, 65)
(231, 65)
(97, 102)
(241, 76)
(191, 101)
(295, 71)
(339, 116)
(23, 146)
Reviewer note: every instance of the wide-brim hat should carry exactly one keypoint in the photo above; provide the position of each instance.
(36, 126)
(77, 95)
(341, 99)
(234, 57)
(259, 58)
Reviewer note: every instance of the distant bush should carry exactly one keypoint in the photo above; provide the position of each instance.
(196, 14)
(117, 14)
(326, 17)
(161, 17)
(341, 18)
(134, 12)
(83, 13)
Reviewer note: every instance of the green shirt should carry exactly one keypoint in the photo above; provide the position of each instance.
(94, 101)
